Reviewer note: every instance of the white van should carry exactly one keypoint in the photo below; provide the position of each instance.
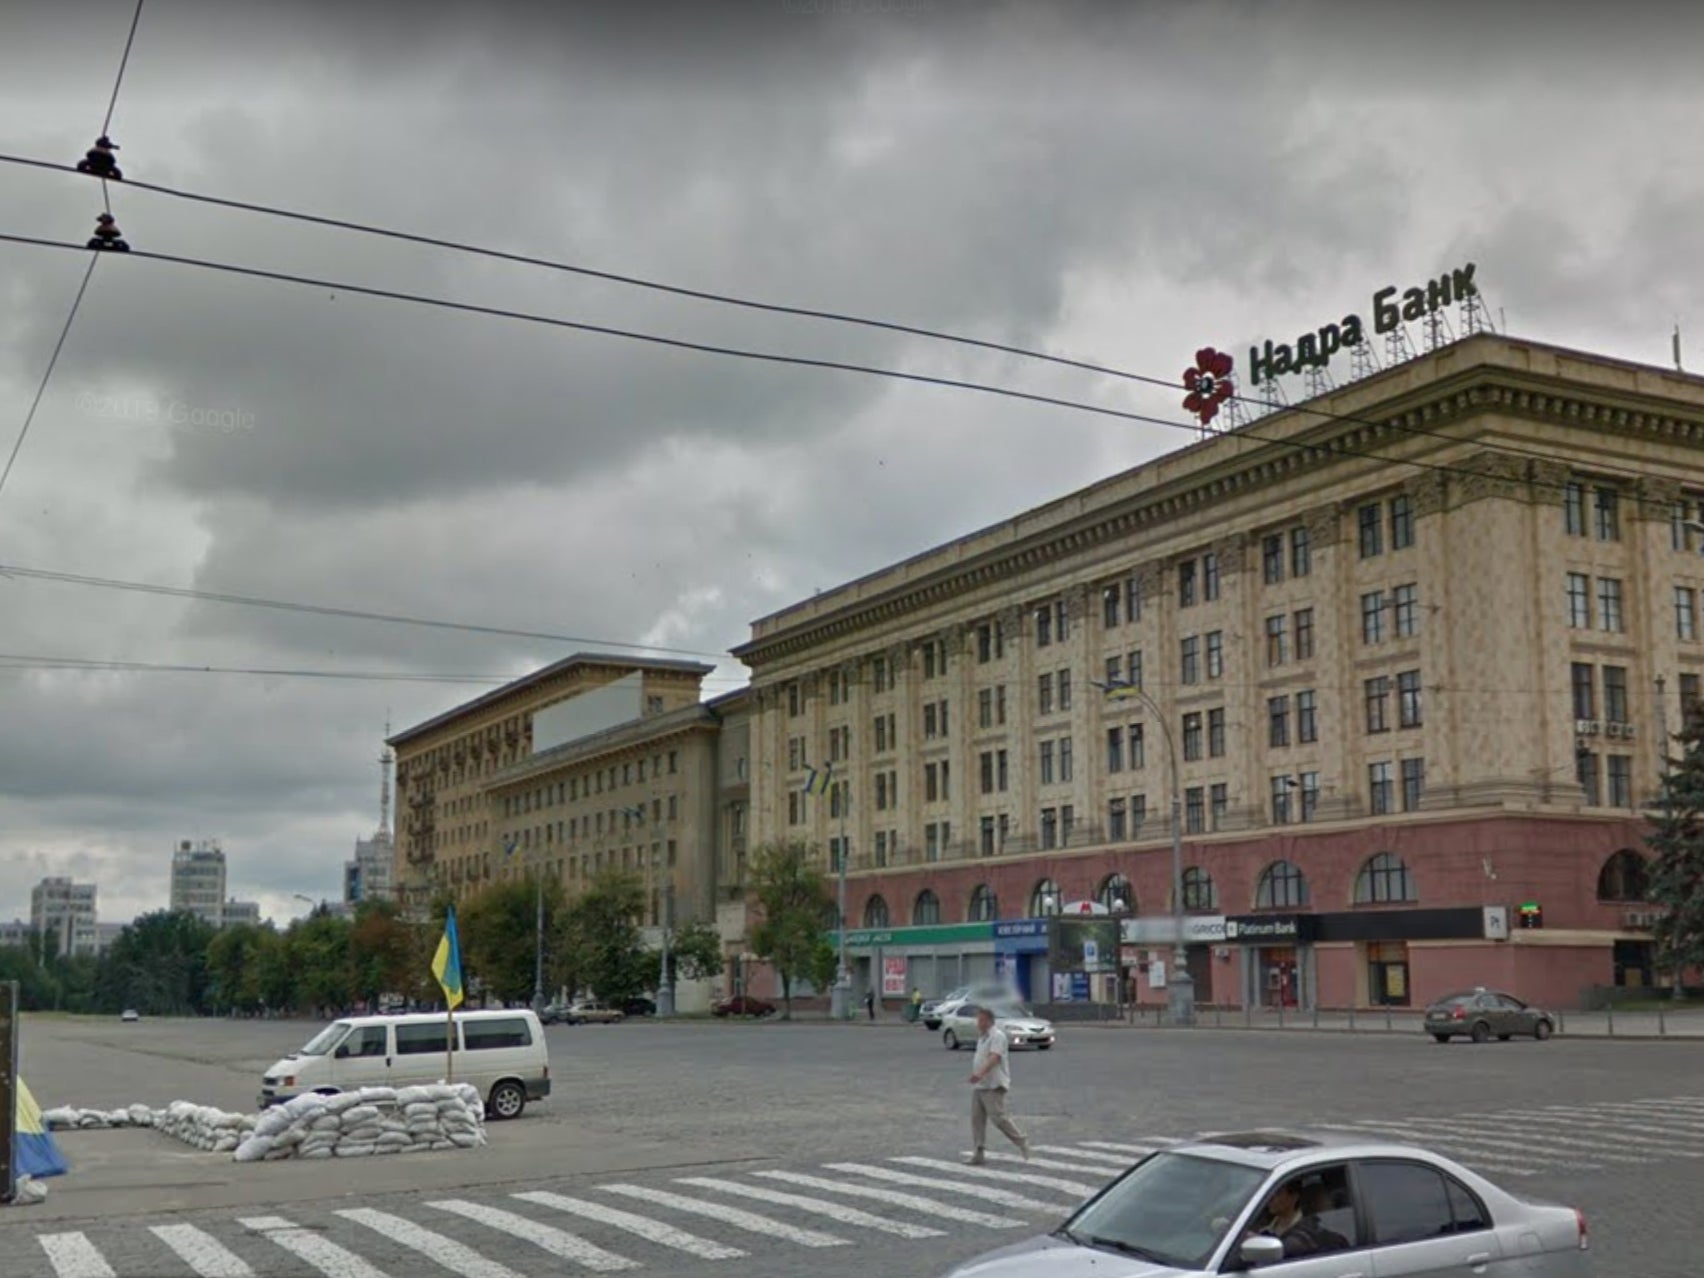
(503, 1054)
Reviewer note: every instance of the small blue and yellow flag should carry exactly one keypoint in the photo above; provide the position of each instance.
(510, 844)
(1123, 691)
(36, 1152)
(446, 964)
(817, 782)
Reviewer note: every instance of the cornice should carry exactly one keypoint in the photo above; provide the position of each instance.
(1479, 391)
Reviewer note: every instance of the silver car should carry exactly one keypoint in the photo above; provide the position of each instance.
(1022, 1027)
(1346, 1208)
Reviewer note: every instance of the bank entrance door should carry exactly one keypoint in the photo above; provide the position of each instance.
(1387, 973)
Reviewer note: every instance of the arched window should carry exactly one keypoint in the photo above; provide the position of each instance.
(875, 912)
(1281, 886)
(927, 908)
(1046, 899)
(1384, 878)
(1117, 895)
(984, 905)
(1199, 890)
(1624, 877)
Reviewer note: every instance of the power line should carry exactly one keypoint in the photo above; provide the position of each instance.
(9, 661)
(47, 373)
(122, 63)
(726, 299)
(211, 596)
(1327, 450)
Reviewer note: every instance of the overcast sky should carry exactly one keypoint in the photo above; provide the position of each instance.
(1118, 182)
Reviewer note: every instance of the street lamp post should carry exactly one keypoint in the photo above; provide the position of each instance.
(840, 998)
(665, 987)
(1180, 986)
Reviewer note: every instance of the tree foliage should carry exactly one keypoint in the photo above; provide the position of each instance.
(1677, 839)
(797, 909)
(499, 934)
(695, 953)
(599, 939)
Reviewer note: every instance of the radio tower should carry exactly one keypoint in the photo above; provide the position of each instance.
(385, 761)
(1397, 346)
(1318, 381)
(1363, 362)
(1473, 317)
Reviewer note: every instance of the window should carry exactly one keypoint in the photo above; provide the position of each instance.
(1606, 509)
(1615, 694)
(1186, 584)
(932, 841)
(1195, 810)
(1301, 552)
(1067, 818)
(1138, 813)
(374, 1040)
(1310, 795)
(487, 1035)
(984, 907)
(1063, 679)
(1044, 694)
(934, 782)
(1378, 704)
(1114, 750)
(1620, 780)
(1408, 699)
(1133, 599)
(1413, 783)
(1109, 606)
(985, 708)
(1216, 733)
(1046, 760)
(1691, 690)
(1199, 890)
(1116, 894)
(1115, 818)
(927, 908)
(1192, 736)
(987, 834)
(1281, 787)
(985, 642)
(1219, 799)
(1405, 611)
(1585, 704)
(1307, 717)
(1372, 530)
(1277, 640)
(1624, 877)
(1587, 773)
(1209, 577)
(1138, 751)
(1281, 887)
(882, 858)
(875, 912)
(1579, 601)
(1215, 654)
(1414, 1203)
(1064, 758)
(1304, 634)
(1278, 721)
(1401, 522)
(793, 701)
(1685, 612)
(1061, 621)
(986, 762)
(1045, 899)
(1134, 669)
(1190, 668)
(1000, 703)
(1043, 626)
(1384, 878)
(1379, 788)
(1609, 604)
(1272, 558)
(1372, 617)
(1000, 763)
(421, 1038)
(1049, 828)
(1574, 510)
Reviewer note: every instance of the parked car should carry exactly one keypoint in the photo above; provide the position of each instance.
(130, 1014)
(551, 1013)
(639, 1007)
(592, 1011)
(1022, 1027)
(1480, 1013)
(743, 1005)
(1400, 1209)
(981, 992)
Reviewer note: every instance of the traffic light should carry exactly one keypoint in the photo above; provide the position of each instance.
(1532, 914)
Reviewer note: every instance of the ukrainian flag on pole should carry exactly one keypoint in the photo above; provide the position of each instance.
(817, 782)
(446, 964)
(37, 1153)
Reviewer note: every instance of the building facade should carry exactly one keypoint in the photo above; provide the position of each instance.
(239, 913)
(371, 876)
(1414, 647)
(62, 915)
(198, 881)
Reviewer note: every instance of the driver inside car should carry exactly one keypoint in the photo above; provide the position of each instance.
(1292, 1215)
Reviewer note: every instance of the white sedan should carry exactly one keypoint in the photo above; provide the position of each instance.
(1022, 1027)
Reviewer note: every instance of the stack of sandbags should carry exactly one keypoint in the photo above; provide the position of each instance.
(66, 1118)
(204, 1127)
(374, 1120)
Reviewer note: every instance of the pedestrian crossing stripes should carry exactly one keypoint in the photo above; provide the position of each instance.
(625, 1226)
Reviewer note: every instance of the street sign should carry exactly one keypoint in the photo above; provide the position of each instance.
(8, 1090)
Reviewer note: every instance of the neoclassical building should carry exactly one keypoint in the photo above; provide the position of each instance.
(1416, 643)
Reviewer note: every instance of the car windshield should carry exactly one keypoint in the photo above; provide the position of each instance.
(326, 1039)
(1012, 1011)
(1175, 1208)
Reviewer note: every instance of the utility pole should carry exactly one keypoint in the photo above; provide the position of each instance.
(665, 987)
(538, 936)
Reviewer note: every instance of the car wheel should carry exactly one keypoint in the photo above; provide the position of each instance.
(1504, 1038)
(1542, 1030)
(1442, 1038)
(507, 1100)
(951, 1040)
(1481, 1032)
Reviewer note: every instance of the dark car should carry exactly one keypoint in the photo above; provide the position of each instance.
(743, 1005)
(639, 1007)
(1480, 1013)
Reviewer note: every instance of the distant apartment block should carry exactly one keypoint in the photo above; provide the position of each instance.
(62, 913)
(198, 881)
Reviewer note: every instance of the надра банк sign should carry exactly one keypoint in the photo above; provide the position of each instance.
(1314, 350)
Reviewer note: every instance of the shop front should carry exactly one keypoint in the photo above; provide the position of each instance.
(932, 959)
(1146, 948)
(1020, 957)
(1275, 961)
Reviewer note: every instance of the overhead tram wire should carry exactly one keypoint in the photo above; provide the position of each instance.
(774, 308)
(89, 274)
(802, 361)
(353, 614)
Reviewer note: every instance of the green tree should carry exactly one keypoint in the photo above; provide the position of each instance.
(37, 990)
(318, 952)
(1677, 874)
(796, 909)
(382, 950)
(269, 981)
(230, 956)
(158, 965)
(695, 953)
(499, 936)
(600, 945)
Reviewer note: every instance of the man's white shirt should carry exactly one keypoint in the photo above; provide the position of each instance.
(992, 1043)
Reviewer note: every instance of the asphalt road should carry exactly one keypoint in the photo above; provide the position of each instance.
(666, 1146)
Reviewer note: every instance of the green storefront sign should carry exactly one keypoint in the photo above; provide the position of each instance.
(871, 938)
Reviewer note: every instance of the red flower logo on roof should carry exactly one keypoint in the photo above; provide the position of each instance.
(1209, 383)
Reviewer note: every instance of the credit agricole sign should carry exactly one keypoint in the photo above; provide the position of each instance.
(1211, 381)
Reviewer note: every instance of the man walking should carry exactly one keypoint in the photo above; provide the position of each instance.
(991, 1080)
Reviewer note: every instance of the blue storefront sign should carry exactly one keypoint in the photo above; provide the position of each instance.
(1021, 936)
